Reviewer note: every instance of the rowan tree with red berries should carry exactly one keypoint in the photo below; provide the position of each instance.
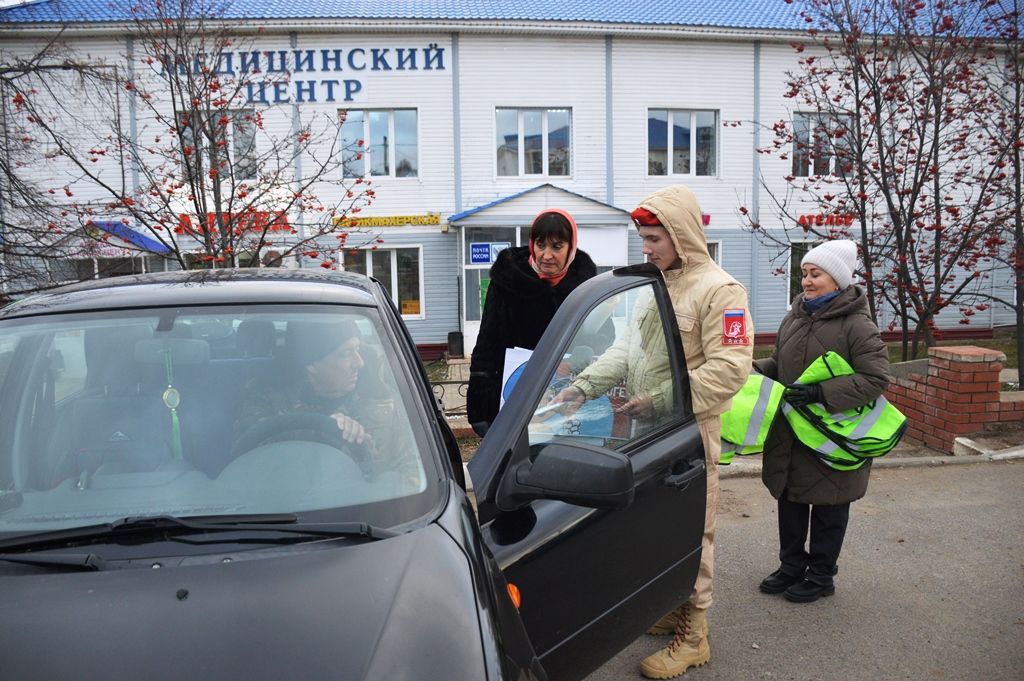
(899, 130)
(168, 141)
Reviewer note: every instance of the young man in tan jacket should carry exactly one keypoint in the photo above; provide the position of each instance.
(717, 334)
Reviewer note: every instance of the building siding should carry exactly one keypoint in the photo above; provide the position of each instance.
(554, 71)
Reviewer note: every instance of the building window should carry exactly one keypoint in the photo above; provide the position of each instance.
(533, 142)
(80, 269)
(797, 251)
(380, 142)
(397, 269)
(478, 275)
(820, 144)
(682, 142)
(243, 143)
(715, 250)
(233, 133)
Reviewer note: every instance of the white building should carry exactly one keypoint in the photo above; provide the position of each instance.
(499, 109)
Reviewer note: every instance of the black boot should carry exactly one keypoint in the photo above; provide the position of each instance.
(807, 591)
(778, 581)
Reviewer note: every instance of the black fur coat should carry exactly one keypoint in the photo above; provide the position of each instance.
(518, 308)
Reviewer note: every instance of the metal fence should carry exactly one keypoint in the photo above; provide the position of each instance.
(452, 395)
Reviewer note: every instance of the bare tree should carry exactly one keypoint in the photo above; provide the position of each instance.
(891, 143)
(30, 238)
(176, 143)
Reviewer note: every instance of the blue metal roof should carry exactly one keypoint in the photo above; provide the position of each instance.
(764, 14)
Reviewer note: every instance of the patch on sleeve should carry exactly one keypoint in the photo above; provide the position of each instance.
(734, 328)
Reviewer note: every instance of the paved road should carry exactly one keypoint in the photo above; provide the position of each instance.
(931, 586)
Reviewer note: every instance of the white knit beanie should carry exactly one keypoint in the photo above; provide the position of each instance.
(836, 258)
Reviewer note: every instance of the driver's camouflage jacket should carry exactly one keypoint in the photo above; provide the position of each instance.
(388, 447)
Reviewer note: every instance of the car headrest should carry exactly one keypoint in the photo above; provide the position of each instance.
(105, 350)
(256, 338)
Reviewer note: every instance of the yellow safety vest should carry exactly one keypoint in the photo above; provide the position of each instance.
(844, 440)
(746, 424)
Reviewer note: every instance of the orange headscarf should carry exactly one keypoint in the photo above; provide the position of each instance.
(553, 279)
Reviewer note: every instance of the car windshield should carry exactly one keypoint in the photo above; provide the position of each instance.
(190, 411)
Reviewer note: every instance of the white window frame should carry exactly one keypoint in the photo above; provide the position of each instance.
(200, 146)
(521, 149)
(96, 266)
(817, 119)
(717, 257)
(394, 274)
(670, 150)
(522, 239)
(367, 148)
(230, 135)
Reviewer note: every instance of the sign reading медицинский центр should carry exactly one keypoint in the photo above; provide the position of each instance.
(262, 86)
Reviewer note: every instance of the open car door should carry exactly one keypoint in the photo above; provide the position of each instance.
(596, 517)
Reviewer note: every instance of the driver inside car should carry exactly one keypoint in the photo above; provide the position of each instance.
(320, 375)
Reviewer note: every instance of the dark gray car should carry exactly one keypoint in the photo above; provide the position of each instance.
(245, 474)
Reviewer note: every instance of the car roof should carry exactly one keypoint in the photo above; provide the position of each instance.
(201, 287)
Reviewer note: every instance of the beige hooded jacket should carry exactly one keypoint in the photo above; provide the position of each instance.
(718, 359)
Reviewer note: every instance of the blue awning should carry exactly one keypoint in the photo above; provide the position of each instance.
(126, 233)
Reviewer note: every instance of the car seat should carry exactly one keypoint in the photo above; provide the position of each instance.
(113, 425)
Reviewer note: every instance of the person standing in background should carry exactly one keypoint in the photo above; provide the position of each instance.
(528, 284)
(830, 315)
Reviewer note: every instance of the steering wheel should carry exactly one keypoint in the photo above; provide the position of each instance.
(305, 425)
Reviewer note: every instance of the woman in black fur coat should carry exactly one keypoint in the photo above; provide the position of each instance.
(528, 283)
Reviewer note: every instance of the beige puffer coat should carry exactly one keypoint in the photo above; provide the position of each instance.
(701, 293)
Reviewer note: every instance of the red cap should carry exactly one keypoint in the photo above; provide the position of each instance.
(645, 218)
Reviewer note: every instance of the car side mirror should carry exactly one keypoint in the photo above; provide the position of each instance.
(576, 473)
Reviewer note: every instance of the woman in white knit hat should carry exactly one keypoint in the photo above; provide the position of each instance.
(830, 314)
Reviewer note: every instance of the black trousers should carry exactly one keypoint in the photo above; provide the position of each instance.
(828, 527)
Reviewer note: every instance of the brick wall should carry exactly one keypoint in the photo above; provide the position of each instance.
(959, 395)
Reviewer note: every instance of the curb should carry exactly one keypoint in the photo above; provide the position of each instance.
(753, 468)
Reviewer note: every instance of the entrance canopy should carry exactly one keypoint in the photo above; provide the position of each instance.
(130, 236)
(602, 228)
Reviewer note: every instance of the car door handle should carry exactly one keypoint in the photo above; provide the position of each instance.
(683, 480)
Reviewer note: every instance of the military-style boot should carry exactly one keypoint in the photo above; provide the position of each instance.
(667, 624)
(688, 648)
(669, 621)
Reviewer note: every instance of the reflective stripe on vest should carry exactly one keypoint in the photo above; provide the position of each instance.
(846, 439)
(746, 424)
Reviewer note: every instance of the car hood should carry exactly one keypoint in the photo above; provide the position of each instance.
(399, 608)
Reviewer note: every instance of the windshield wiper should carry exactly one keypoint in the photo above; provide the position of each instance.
(200, 522)
(142, 524)
(74, 561)
(297, 533)
(281, 523)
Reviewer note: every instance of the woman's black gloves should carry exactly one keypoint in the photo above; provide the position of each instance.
(801, 395)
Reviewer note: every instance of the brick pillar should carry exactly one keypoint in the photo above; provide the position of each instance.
(960, 394)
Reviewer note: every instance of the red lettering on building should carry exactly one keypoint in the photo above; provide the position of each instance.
(249, 221)
(825, 220)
